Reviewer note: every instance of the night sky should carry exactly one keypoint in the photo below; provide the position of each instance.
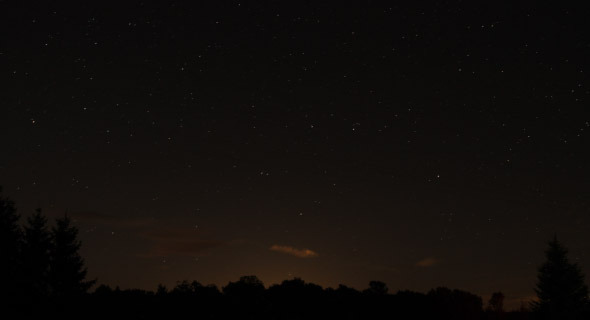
(434, 145)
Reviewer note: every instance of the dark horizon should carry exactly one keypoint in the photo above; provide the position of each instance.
(418, 145)
(510, 303)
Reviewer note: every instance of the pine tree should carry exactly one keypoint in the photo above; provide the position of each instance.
(35, 255)
(10, 244)
(560, 289)
(67, 271)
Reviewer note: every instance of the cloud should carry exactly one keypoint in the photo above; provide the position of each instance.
(427, 262)
(299, 253)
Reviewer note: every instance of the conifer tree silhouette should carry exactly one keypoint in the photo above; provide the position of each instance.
(10, 244)
(35, 255)
(560, 289)
(67, 271)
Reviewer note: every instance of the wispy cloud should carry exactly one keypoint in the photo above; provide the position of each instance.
(427, 262)
(299, 253)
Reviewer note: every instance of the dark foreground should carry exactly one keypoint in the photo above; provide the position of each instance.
(248, 299)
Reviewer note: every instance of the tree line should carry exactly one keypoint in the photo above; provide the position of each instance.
(43, 274)
(40, 263)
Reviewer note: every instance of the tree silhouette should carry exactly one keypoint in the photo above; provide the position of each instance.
(295, 299)
(376, 288)
(496, 302)
(35, 255)
(495, 309)
(161, 290)
(246, 297)
(67, 271)
(560, 289)
(247, 286)
(455, 304)
(185, 287)
(47, 264)
(10, 244)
